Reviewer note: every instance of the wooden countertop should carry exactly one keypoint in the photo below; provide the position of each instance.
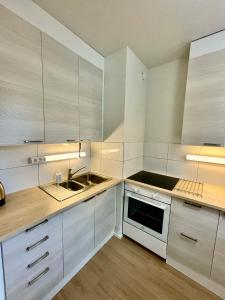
(212, 195)
(26, 208)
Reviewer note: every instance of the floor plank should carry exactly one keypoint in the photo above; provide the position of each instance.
(124, 270)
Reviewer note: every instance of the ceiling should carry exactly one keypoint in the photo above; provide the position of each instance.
(156, 30)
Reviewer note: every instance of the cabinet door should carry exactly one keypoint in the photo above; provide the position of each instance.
(60, 79)
(90, 101)
(218, 267)
(105, 216)
(192, 234)
(78, 234)
(21, 93)
(204, 111)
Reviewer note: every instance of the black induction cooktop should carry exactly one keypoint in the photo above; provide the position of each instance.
(161, 181)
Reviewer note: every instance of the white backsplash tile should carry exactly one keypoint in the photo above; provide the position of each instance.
(48, 149)
(80, 163)
(132, 150)
(113, 151)
(47, 171)
(211, 173)
(16, 156)
(178, 152)
(182, 169)
(130, 167)
(96, 150)
(155, 165)
(212, 151)
(157, 150)
(112, 168)
(21, 178)
(96, 165)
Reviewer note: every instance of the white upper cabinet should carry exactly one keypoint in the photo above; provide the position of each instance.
(90, 101)
(204, 121)
(21, 93)
(60, 80)
(125, 88)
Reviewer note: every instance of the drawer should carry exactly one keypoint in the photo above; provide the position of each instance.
(29, 253)
(38, 284)
(192, 234)
(218, 267)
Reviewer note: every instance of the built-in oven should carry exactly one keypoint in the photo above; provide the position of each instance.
(147, 214)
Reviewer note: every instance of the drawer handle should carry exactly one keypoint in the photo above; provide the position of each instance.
(188, 237)
(192, 204)
(31, 265)
(32, 142)
(37, 243)
(35, 226)
(30, 283)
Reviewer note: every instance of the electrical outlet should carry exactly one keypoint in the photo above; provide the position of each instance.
(41, 159)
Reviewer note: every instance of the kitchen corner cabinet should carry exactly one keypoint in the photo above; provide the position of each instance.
(105, 215)
(33, 260)
(218, 267)
(60, 83)
(204, 110)
(21, 93)
(78, 234)
(192, 235)
(90, 101)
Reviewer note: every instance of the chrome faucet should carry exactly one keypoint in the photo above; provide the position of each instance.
(71, 172)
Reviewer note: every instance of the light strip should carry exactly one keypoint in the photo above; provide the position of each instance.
(64, 156)
(207, 159)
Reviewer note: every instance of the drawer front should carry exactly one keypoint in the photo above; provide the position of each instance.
(192, 234)
(35, 286)
(29, 253)
(218, 268)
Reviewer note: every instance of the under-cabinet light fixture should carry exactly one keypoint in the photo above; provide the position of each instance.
(207, 159)
(55, 157)
(63, 156)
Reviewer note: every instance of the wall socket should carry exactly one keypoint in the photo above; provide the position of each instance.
(36, 160)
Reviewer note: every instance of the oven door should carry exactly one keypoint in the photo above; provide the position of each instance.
(147, 214)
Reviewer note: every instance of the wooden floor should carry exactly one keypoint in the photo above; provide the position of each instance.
(124, 270)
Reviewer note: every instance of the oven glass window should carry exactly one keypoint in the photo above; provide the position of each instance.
(146, 214)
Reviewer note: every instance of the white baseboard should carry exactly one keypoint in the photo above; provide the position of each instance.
(202, 280)
(68, 277)
(118, 235)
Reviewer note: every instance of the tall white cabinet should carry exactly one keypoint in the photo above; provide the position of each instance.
(125, 88)
(21, 93)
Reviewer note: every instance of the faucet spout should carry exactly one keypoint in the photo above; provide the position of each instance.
(71, 172)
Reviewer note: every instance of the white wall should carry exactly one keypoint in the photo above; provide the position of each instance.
(33, 14)
(165, 102)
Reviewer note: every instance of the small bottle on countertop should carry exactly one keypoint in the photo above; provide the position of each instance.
(58, 178)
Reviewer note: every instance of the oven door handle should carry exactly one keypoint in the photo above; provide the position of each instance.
(162, 206)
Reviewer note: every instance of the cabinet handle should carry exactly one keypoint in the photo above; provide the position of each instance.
(30, 283)
(35, 226)
(192, 204)
(32, 142)
(188, 237)
(71, 141)
(37, 243)
(89, 199)
(211, 144)
(31, 265)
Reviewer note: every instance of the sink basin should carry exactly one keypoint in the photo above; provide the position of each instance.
(72, 185)
(89, 179)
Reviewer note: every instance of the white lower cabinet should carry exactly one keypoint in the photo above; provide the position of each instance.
(105, 215)
(78, 234)
(33, 261)
(218, 267)
(192, 235)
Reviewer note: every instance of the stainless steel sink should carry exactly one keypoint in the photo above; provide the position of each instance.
(89, 179)
(72, 185)
(76, 185)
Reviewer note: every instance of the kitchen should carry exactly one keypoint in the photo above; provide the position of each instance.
(112, 150)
